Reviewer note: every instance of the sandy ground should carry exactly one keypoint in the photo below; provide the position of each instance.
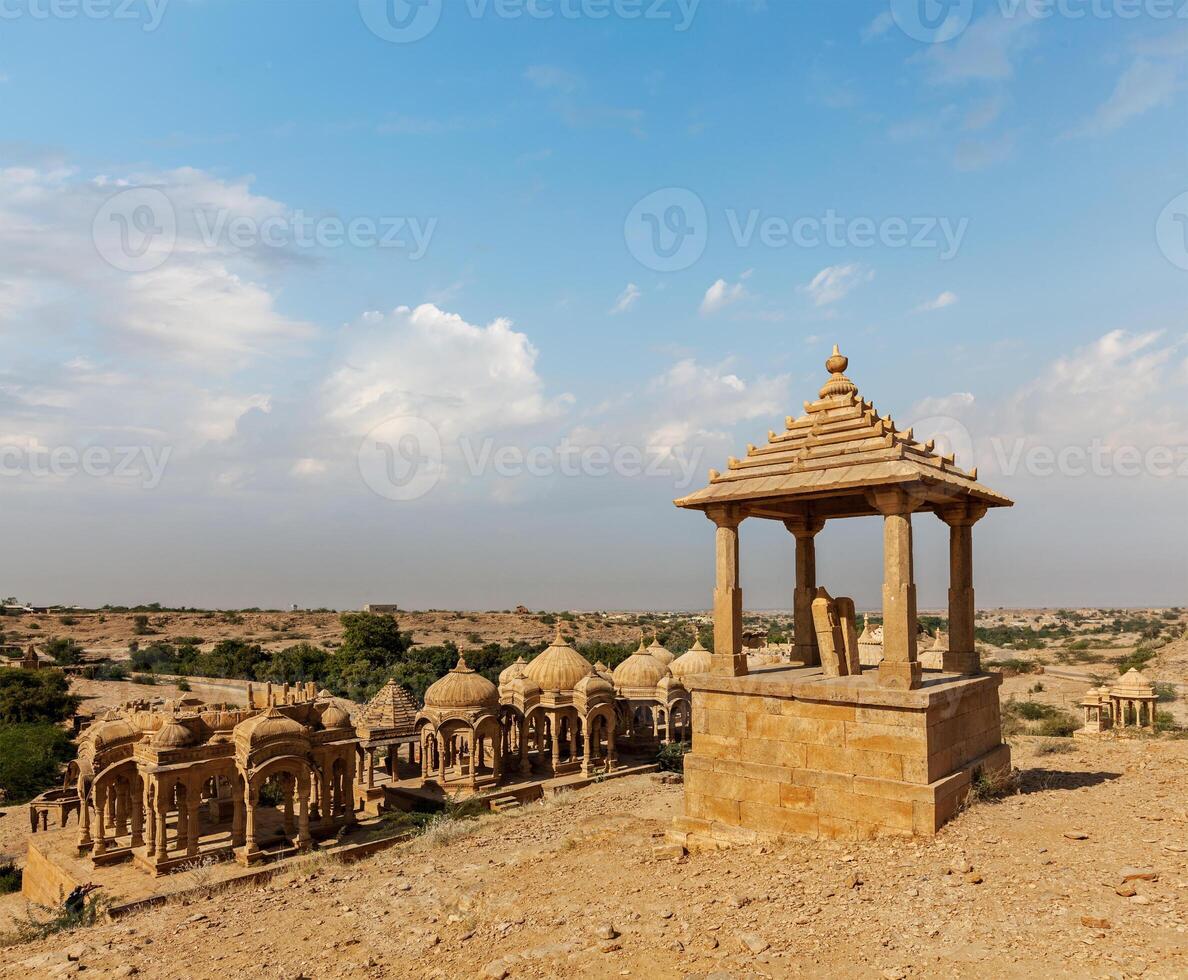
(532, 894)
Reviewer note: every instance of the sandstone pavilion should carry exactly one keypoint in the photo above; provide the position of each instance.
(821, 746)
(558, 715)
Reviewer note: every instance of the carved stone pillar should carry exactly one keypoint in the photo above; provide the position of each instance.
(805, 528)
(962, 656)
(900, 668)
(729, 660)
(100, 823)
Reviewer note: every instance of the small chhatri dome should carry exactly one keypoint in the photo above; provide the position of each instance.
(1135, 682)
(658, 651)
(173, 735)
(640, 670)
(513, 672)
(335, 717)
(560, 667)
(462, 688)
(275, 724)
(698, 660)
(838, 385)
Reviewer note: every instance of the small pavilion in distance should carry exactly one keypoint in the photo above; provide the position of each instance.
(810, 748)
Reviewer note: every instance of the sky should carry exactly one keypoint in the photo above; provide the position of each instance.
(442, 303)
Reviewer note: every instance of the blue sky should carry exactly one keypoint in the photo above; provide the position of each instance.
(519, 146)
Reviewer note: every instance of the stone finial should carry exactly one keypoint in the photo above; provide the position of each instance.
(838, 385)
(559, 639)
(463, 667)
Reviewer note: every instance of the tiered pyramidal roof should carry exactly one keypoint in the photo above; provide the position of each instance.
(393, 710)
(840, 447)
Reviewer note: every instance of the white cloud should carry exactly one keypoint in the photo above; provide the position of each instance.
(1144, 86)
(879, 26)
(942, 301)
(627, 299)
(986, 51)
(721, 295)
(833, 283)
(463, 379)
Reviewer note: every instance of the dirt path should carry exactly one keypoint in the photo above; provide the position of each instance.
(534, 892)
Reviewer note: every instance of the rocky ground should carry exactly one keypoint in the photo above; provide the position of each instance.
(1082, 873)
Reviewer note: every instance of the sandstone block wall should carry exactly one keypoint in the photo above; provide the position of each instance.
(836, 765)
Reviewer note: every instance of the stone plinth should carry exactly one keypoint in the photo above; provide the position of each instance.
(787, 751)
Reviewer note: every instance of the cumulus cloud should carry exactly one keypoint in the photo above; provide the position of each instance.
(431, 364)
(835, 282)
(627, 299)
(721, 295)
(941, 302)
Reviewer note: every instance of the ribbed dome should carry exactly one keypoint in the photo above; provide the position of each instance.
(593, 685)
(513, 672)
(111, 732)
(275, 725)
(1134, 681)
(462, 688)
(559, 668)
(658, 651)
(640, 670)
(335, 717)
(173, 735)
(697, 661)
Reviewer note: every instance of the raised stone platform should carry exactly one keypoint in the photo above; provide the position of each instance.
(788, 751)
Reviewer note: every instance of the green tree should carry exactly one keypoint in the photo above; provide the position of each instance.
(35, 696)
(31, 759)
(374, 638)
(66, 653)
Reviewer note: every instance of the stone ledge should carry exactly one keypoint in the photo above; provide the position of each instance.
(810, 684)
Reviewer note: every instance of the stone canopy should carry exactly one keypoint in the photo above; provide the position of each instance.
(835, 453)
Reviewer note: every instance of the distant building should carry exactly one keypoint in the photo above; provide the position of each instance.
(381, 609)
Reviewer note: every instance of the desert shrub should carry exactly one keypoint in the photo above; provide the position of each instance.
(10, 878)
(1033, 710)
(1013, 665)
(33, 928)
(184, 685)
(68, 620)
(671, 757)
(66, 653)
(1053, 747)
(1166, 693)
(31, 758)
(110, 672)
(1165, 721)
(148, 680)
(140, 626)
(1137, 660)
(1059, 725)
